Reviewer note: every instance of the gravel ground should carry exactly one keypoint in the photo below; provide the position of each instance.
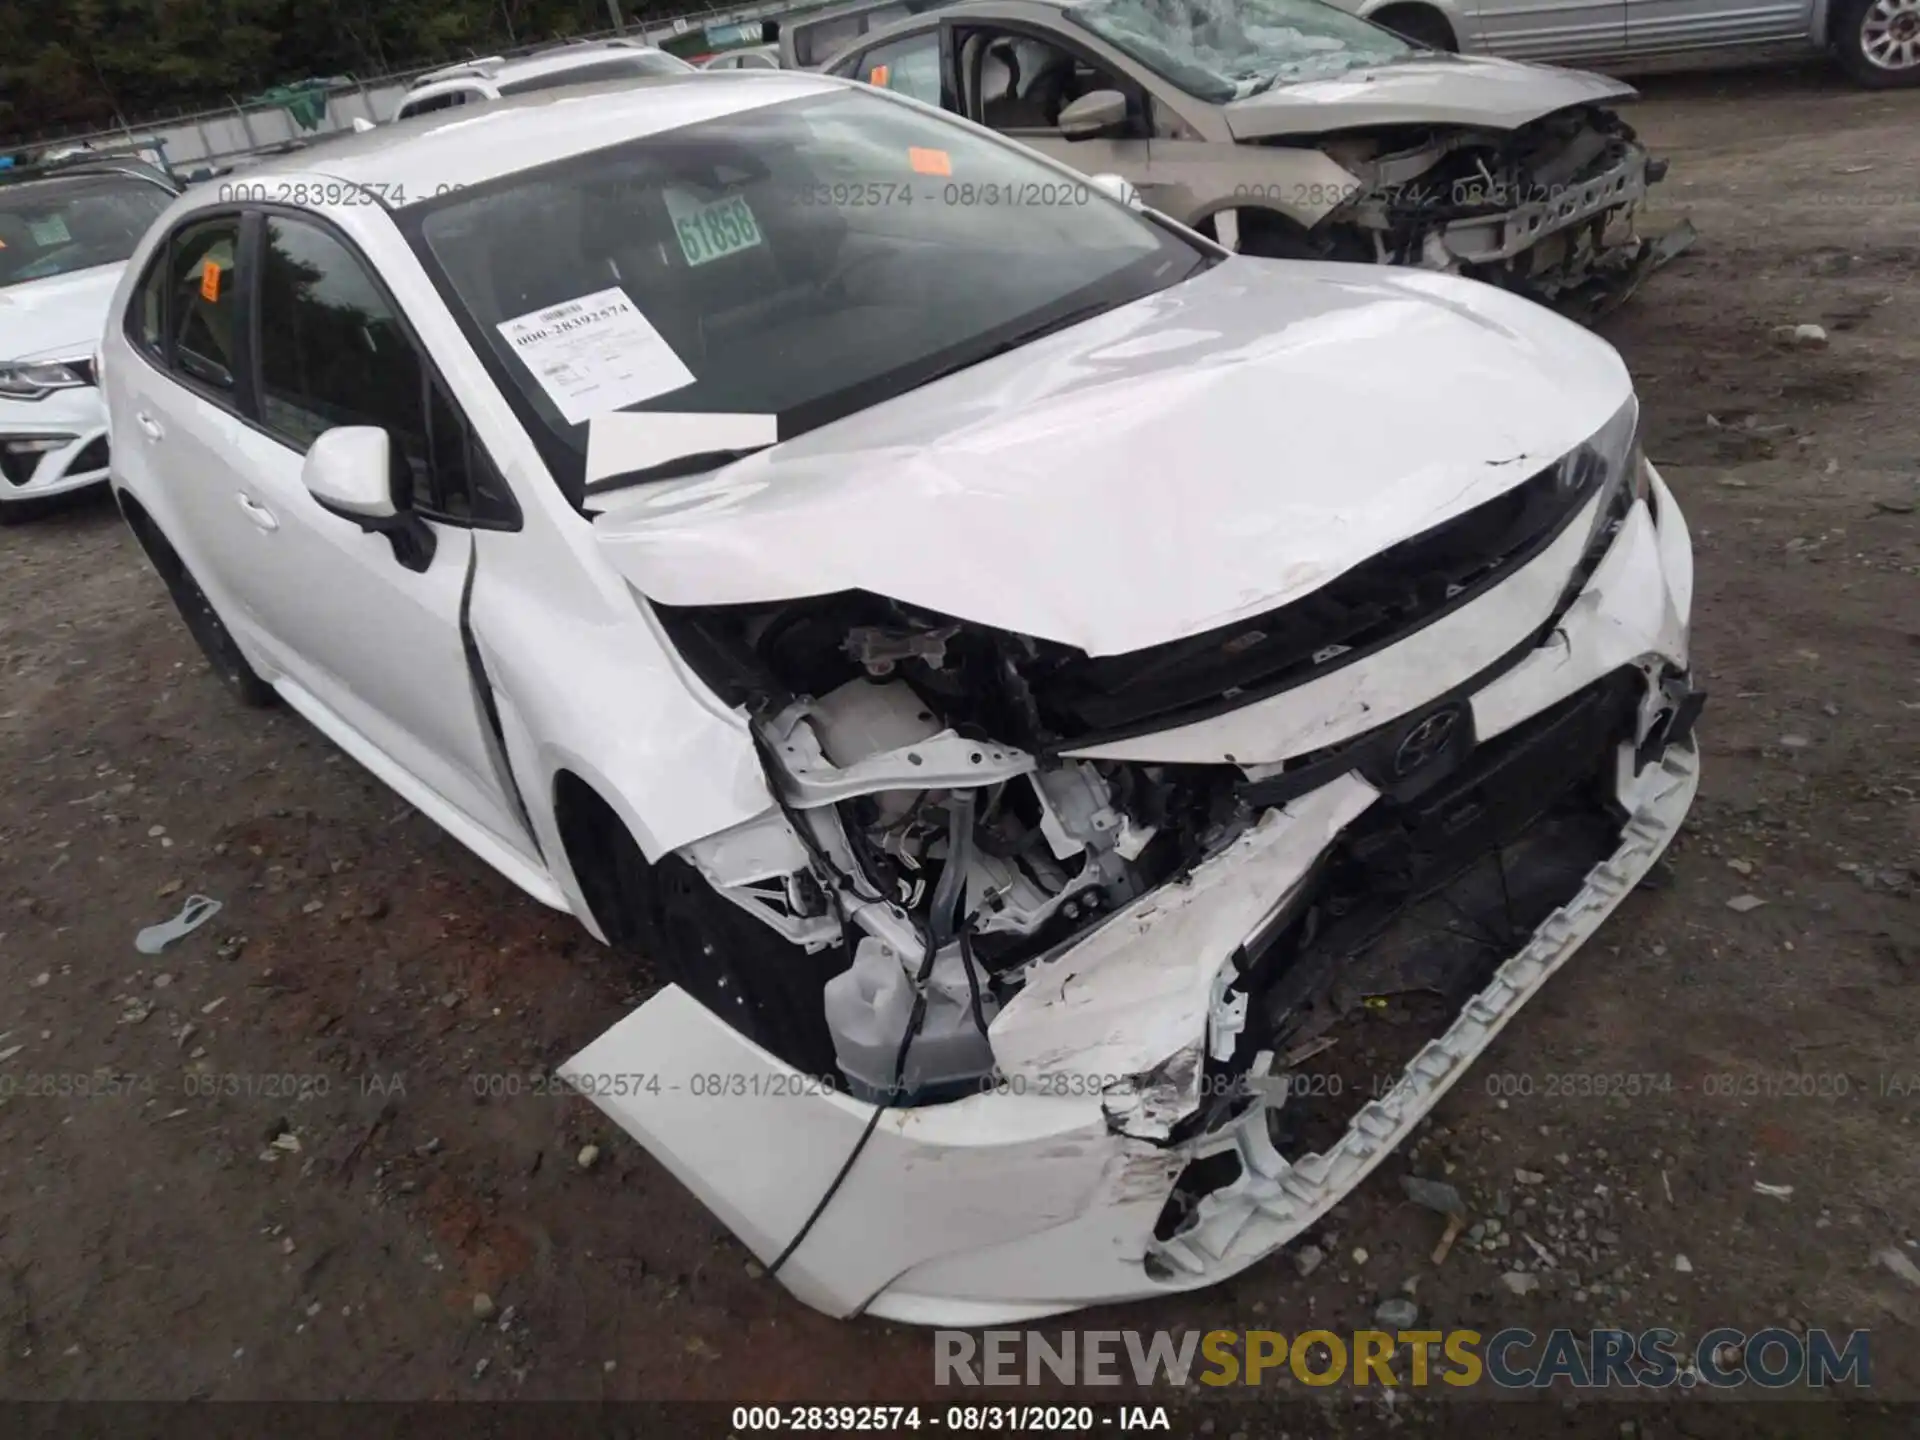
(303, 1190)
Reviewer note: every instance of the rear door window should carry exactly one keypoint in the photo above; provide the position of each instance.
(203, 301)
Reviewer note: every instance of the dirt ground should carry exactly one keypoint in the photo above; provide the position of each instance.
(367, 975)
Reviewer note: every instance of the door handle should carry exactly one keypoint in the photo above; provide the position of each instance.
(151, 426)
(256, 512)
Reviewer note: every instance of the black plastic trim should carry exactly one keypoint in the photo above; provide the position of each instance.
(1239, 699)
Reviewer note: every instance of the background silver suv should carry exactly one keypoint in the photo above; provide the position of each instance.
(1877, 42)
(472, 81)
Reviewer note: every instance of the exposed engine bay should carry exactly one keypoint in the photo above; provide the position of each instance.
(935, 840)
(1547, 210)
(960, 859)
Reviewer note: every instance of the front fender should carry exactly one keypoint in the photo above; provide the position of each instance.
(587, 684)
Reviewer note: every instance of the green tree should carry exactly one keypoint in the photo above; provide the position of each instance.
(82, 64)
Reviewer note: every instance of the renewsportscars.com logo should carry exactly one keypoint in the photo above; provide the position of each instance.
(1514, 1359)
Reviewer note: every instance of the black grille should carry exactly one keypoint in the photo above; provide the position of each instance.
(93, 457)
(1543, 785)
(1375, 604)
(1503, 787)
(18, 466)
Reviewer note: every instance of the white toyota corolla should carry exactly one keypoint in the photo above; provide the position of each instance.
(1050, 694)
(65, 232)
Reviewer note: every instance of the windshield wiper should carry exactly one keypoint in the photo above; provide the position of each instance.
(674, 469)
(1024, 337)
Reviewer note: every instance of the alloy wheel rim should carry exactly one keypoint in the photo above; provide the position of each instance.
(1890, 34)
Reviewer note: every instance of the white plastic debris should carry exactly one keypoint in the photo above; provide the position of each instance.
(195, 912)
(1896, 1261)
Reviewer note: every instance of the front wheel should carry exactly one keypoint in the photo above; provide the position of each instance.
(1877, 42)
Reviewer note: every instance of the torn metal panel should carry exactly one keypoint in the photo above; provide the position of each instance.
(1140, 987)
(1277, 1198)
(762, 866)
(1636, 604)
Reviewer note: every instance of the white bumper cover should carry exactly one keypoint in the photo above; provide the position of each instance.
(1041, 1195)
(45, 438)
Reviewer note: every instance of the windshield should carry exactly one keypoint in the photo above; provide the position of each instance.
(800, 260)
(51, 227)
(1222, 50)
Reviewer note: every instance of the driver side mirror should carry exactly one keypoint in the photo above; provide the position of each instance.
(349, 473)
(1097, 113)
(349, 470)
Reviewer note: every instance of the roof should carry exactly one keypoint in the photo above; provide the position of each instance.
(526, 67)
(431, 154)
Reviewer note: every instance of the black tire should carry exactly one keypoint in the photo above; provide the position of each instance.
(12, 514)
(1861, 25)
(217, 642)
(203, 622)
(672, 921)
(1421, 24)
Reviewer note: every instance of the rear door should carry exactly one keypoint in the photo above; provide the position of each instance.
(181, 425)
(1669, 26)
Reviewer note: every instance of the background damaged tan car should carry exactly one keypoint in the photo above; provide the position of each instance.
(1289, 128)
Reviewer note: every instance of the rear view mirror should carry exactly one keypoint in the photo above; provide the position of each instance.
(1119, 187)
(349, 470)
(1096, 113)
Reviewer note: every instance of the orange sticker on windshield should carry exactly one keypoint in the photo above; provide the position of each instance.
(210, 281)
(878, 76)
(929, 162)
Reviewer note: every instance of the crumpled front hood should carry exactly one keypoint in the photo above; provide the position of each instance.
(58, 318)
(1434, 90)
(1186, 461)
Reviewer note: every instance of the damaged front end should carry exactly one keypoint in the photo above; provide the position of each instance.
(1549, 210)
(1079, 920)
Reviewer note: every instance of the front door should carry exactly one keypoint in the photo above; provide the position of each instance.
(376, 643)
(1017, 82)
